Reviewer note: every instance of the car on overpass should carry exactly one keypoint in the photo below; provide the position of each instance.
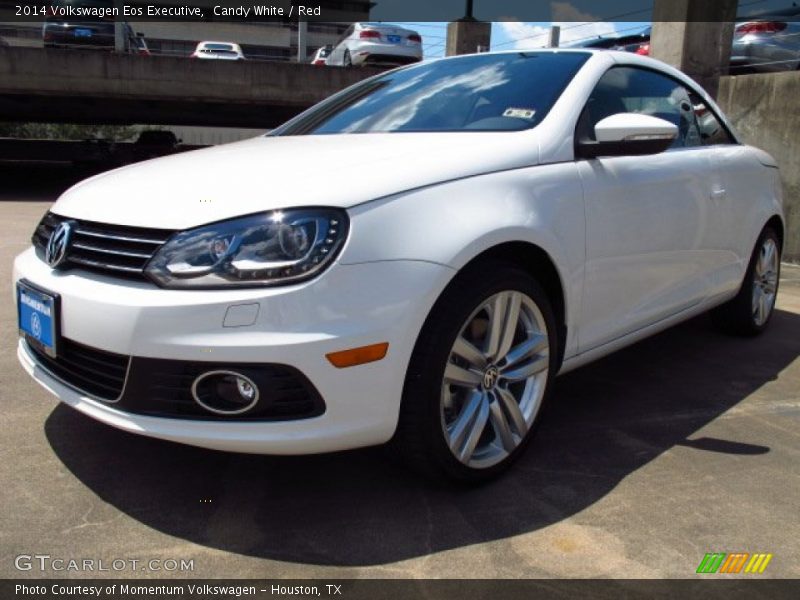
(218, 51)
(376, 44)
(138, 45)
(616, 42)
(766, 46)
(321, 55)
(89, 32)
(86, 32)
(471, 228)
(757, 45)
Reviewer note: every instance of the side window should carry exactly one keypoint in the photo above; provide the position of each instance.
(630, 89)
(712, 132)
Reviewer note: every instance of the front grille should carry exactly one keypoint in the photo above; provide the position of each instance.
(110, 249)
(99, 373)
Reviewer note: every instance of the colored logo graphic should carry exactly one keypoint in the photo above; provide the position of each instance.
(36, 326)
(737, 562)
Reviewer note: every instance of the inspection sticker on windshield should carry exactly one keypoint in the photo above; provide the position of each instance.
(520, 113)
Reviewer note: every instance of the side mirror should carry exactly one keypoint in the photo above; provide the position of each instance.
(628, 134)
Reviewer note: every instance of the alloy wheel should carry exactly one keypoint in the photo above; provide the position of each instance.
(765, 281)
(495, 379)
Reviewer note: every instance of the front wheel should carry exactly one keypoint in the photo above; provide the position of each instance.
(750, 311)
(479, 375)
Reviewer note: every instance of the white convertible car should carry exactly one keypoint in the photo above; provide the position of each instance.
(473, 227)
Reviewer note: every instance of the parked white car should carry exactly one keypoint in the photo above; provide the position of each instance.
(218, 51)
(376, 44)
(499, 219)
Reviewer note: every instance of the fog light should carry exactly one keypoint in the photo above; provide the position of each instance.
(225, 392)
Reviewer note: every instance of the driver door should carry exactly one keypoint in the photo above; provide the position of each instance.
(647, 218)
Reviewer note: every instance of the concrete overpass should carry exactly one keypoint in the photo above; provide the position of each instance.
(86, 86)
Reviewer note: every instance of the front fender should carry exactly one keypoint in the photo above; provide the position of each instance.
(453, 222)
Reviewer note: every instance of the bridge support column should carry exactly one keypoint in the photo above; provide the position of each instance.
(467, 36)
(694, 36)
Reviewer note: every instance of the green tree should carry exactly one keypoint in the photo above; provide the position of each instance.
(69, 131)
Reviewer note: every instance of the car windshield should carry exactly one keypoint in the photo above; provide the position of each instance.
(482, 92)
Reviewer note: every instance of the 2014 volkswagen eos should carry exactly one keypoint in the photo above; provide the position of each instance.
(473, 226)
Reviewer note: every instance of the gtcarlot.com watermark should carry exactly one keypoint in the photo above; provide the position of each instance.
(45, 563)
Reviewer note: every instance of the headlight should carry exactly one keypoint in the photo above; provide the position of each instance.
(273, 248)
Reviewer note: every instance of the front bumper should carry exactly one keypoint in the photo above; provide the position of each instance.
(346, 307)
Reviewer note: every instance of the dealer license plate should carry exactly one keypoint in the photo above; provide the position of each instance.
(37, 316)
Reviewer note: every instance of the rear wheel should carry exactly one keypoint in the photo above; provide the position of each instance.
(347, 60)
(750, 311)
(479, 375)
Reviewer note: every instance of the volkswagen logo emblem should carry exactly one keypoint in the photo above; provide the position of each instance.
(56, 250)
(36, 326)
(490, 378)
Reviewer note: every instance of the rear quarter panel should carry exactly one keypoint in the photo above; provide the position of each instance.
(754, 196)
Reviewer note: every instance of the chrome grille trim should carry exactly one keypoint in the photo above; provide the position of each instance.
(115, 250)
(120, 238)
(99, 265)
(109, 251)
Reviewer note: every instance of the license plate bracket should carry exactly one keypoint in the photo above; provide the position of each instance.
(39, 316)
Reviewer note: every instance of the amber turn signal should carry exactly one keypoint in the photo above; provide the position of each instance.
(358, 356)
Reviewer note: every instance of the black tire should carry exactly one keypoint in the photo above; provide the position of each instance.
(347, 60)
(420, 438)
(737, 316)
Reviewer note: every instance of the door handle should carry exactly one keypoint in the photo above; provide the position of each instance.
(718, 194)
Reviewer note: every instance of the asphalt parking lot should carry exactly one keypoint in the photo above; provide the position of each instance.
(684, 444)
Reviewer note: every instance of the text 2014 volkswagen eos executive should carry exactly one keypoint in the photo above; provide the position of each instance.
(470, 228)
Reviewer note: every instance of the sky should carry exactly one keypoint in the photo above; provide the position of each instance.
(517, 35)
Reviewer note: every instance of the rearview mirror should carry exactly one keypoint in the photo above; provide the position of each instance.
(628, 134)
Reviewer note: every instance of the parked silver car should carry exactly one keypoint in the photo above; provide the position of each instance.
(376, 44)
(757, 45)
(766, 46)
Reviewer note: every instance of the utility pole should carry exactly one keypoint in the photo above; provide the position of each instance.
(555, 34)
(302, 50)
(120, 43)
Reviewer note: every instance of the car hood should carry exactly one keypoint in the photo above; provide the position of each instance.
(193, 188)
